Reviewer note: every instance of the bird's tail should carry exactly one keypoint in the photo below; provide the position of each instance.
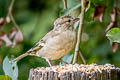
(20, 57)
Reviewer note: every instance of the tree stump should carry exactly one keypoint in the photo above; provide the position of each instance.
(76, 72)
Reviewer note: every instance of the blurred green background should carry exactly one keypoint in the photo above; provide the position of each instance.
(35, 18)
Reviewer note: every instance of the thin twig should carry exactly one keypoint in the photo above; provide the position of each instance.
(79, 34)
(82, 57)
(65, 4)
(11, 7)
(10, 13)
(115, 4)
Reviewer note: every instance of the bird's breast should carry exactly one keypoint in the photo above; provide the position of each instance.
(58, 46)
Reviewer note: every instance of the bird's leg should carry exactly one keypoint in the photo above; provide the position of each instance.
(48, 61)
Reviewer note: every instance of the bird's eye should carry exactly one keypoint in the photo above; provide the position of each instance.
(69, 20)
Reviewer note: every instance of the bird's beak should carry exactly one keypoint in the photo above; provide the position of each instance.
(76, 19)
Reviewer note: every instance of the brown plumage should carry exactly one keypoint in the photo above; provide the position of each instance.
(56, 43)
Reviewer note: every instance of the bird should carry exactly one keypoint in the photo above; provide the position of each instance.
(56, 43)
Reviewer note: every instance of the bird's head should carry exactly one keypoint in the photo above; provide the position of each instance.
(65, 22)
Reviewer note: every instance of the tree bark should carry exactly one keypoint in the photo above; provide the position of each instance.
(103, 74)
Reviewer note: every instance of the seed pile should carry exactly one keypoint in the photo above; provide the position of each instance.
(76, 68)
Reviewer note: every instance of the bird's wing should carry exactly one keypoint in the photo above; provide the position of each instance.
(35, 48)
(42, 42)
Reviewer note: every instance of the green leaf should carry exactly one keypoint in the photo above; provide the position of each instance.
(69, 10)
(88, 6)
(4, 77)
(10, 68)
(114, 35)
(68, 58)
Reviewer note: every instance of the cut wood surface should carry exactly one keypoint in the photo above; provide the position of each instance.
(76, 72)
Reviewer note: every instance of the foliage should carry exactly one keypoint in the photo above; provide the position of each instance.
(114, 35)
(10, 68)
(69, 10)
(35, 18)
(4, 77)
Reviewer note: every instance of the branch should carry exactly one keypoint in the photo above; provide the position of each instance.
(11, 7)
(10, 14)
(65, 4)
(79, 34)
(82, 57)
